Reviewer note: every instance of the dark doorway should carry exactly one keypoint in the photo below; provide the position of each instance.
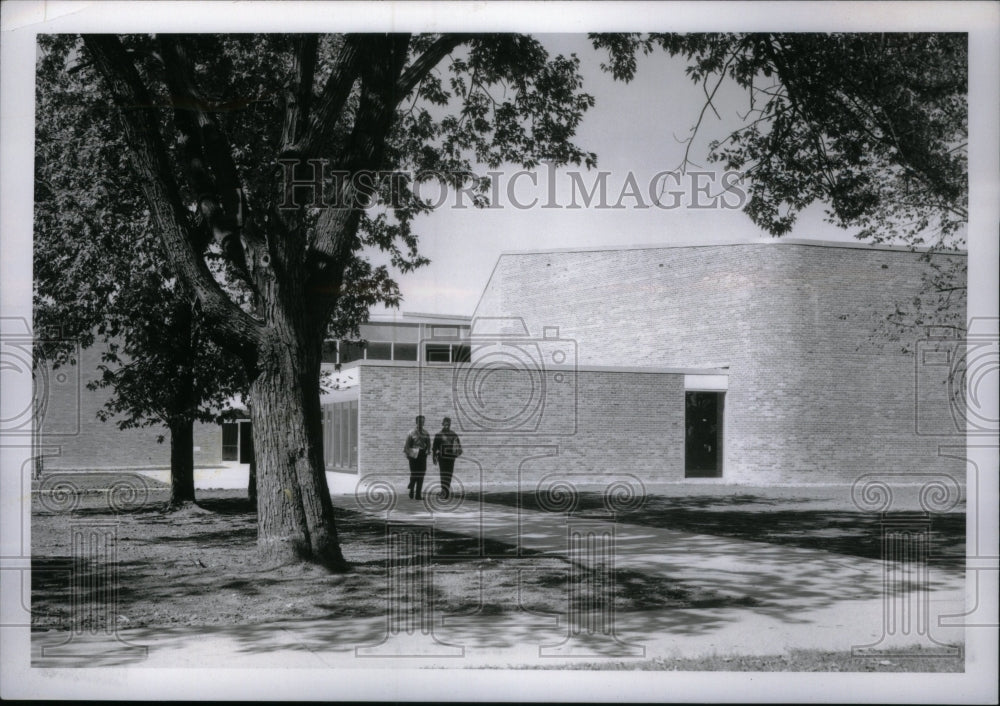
(246, 442)
(703, 434)
(230, 441)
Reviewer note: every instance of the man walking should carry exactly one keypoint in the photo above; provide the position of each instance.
(418, 443)
(446, 449)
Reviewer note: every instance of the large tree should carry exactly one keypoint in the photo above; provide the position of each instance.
(217, 127)
(100, 277)
(873, 126)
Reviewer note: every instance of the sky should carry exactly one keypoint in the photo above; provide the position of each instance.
(635, 128)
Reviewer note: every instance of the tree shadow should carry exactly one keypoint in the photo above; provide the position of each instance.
(847, 532)
(681, 583)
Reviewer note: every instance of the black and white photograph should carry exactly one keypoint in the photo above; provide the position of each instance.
(514, 351)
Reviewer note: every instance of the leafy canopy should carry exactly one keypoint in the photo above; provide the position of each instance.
(99, 270)
(875, 126)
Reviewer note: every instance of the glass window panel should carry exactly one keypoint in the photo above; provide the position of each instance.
(404, 351)
(463, 353)
(345, 435)
(335, 423)
(354, 435)
(329, 351)
(379, 351)
(438, 353)
(351, 351)
(327, 441)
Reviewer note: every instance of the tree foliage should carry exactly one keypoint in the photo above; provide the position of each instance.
(101, 278)
(216, 126)
(875, 126)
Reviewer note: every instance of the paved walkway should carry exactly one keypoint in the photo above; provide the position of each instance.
(770, 599)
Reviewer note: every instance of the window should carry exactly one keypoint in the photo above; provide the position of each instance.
(351, 351)
(340, 435)
(404, 351)
(378, 351)
(461, 353)
(438, 353)
(329, 351)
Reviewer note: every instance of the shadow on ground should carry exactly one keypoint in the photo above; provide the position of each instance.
(776, 521)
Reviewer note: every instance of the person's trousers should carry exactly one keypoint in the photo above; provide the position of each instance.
(418, 469)
(447, 469)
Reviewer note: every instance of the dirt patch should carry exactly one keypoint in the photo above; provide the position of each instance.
(199, 567)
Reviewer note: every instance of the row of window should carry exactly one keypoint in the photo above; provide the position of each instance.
(340, 435)
(347, 351)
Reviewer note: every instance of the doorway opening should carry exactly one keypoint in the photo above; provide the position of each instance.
(703, 415)
(237, 441)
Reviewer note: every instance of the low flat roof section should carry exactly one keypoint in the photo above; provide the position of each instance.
(711, 371)
(412, 317)
(346, 395)
(848, 244)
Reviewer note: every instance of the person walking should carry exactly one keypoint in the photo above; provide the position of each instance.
(416, 447)
(447, 447)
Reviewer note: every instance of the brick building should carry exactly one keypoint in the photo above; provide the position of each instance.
(70, 436)
(747, 362)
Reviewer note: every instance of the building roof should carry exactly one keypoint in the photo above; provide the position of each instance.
(685, 370)
(853, 245)
(411, 317)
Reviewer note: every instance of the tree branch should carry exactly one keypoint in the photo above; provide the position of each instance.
(237, 330)
(321, 124)
(208, 156)
(428, 60)
(335, 235)
(298, 97)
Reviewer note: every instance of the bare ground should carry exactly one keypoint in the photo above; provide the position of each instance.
(812, 517)
(199, 567)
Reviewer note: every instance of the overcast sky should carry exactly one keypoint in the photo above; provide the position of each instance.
(634, 128)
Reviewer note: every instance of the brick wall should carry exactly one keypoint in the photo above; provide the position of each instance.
(813, 395)
(73, 438)
(591, 426)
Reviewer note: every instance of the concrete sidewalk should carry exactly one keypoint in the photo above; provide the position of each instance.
(780, 597)
(771, 599)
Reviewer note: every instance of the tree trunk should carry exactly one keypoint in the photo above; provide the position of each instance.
(294, 512)
(181, 463)
(252, 482)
